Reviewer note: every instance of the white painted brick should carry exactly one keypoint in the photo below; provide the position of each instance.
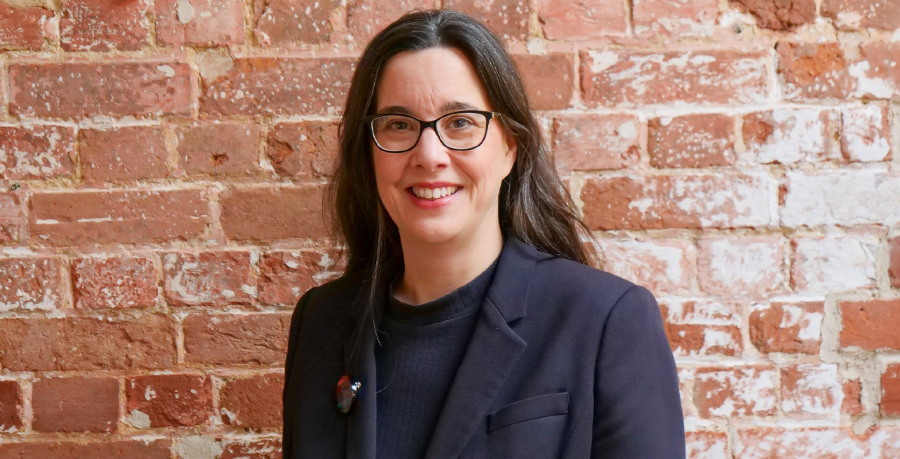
(865, 134)
(842, 198)
(748, 266)
(661, 265)
(834, 264)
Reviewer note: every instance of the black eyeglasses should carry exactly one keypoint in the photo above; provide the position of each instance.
(460, 131)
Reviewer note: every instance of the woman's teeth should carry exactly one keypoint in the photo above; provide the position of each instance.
(434, 193)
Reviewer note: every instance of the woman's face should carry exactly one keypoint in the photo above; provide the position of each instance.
(426, 85)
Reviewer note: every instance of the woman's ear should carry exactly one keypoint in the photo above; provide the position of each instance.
(512, 150)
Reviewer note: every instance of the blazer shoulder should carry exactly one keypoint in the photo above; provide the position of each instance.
(564, 275)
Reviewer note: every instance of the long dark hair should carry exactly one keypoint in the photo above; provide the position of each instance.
(534, 204)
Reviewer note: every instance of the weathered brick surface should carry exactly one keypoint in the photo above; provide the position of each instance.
(116, 216)
(735, 392)
(779, 14)
(285, 276)
(866, 133)
(787, 327)
(815, 442)
(849, 198)
(29, 284)
(707, 444)
(548, 79)
(99, 89)
(595, 142)
(702, 328)
(36, 152)
(276, 86)
(863, 14)
(199, 22)
(852, 403)
(145, 342)
(227, 339)
(747, 266)
(871, 324)
(219, 150)
(665, 17)
(894, 269)
(22, 27)
(114, 282)
(258, 449)
(788, 136)
(75, 404)
(272, 213)
(833, 264)
(626, 79)
(890, 390)
(12, 218)
(813, 70)
(129, 153)
(137, 449)
(168, 400)
(811, 390)
(661, 265)
(252, 403)
(11, 406)
(367, 17)
(103, 25)
(695, 201)
(581, 19)
(506, 18)
(691, 141)
(286, 22)
(208, 278)
(306, 149)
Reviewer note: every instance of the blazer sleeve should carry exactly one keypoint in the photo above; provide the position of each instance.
(637, 405)
(293, 336)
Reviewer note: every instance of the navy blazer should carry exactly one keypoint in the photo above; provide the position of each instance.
(565, 362)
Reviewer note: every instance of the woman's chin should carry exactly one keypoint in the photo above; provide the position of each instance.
(434, 233)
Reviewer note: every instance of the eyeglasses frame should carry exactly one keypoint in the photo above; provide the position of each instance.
(369, 121)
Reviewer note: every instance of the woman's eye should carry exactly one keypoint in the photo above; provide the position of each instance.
(398, 126)
(460, 123)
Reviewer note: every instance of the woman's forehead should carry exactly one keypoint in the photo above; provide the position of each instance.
(434, 80)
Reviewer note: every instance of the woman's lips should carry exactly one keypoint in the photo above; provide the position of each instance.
(424, 197)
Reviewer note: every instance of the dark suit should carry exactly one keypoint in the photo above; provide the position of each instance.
(565, 361)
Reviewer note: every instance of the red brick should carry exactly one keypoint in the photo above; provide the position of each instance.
(22, 27)
(665, 17)
(863, 14)
(594, 142)
(367, 17)
(124, 89)
(285, 276)
(697, 201)
(813, 70)
(275, 86)
(707, 444)
(85, 343)
(272, 213)
(871, 325)
(11, 407)
(305, 149)
(208, 278)
(252, 449)
(236, 339)
(661, 265)
(12, 217)
(36, 152)
(866, 133)
(852, 403)
(131, 449)
(702, 328)
(735, 392)
(114, 282)
(772, 443)
(103, 25)
(116, 216)
(219, 150)
(635, 78)
(878, 62)
(287, 22)
(787, 327)
(894, 270)
(170, 400)
(691, 141)
(788, 136)
(30, 284)
(779, 14)
(127, 153)
(508, 19)
(252, 403)
(75, 405)
(581, 19)
(200, 22)
(548, 79)
(810, 390)
(890, 390)
(750, 266)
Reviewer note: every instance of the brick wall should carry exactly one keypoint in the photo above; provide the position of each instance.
(162, 164)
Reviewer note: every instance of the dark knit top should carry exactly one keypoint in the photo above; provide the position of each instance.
(420, 351)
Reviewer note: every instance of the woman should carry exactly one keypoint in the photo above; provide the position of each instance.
(468, 323)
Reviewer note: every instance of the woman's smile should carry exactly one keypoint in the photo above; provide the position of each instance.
(433, 195)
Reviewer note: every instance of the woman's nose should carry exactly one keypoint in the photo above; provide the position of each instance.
(429, 153)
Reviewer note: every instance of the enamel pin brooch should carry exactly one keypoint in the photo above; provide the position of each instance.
(346, 392)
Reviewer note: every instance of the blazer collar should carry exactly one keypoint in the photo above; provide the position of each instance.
(490, 357)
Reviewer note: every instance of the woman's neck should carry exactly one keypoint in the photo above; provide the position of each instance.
(434, 270)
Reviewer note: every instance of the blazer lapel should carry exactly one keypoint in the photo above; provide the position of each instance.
(490, 356)
(359, 365)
